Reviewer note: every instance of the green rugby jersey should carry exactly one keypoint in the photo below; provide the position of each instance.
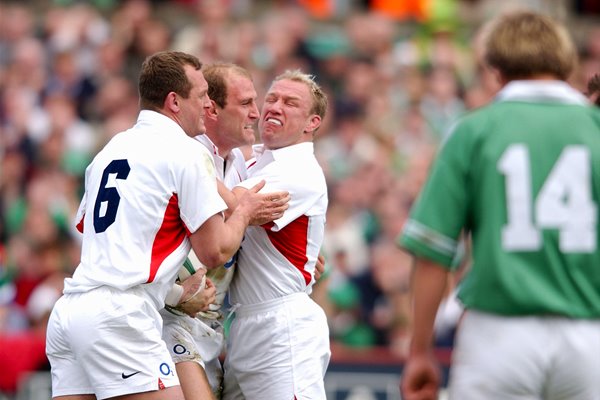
(522, 175)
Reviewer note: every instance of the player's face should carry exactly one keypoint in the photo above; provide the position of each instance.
(285, 119)
(191, 115)
(237, 119)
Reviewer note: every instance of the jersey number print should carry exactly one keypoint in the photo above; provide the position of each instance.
(108, 198)
(564, 201)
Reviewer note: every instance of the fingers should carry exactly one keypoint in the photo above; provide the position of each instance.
(276, 203)
(320, 264)
(319, 267)
(200, 272)
(277, 210)
(279, 198)
(420, 394)
(258, 186)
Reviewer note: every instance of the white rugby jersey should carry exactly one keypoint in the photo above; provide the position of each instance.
(279, 258)
(230, 171)
(146, 191)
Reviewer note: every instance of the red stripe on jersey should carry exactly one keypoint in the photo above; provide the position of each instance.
(79, 226)
(171, 234)
(292, 241)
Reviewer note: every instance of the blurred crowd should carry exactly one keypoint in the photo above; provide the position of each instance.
(397, 74)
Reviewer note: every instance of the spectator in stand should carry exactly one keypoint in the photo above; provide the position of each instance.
(593, 89)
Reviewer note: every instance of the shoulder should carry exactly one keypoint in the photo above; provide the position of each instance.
(476, 124)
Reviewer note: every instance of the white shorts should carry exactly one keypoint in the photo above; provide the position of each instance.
(525, 358)
(277, 350)
(107, 342)
(192, 339)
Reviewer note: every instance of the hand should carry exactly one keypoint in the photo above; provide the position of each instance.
(319, 267)
(420, 378)
(274, 205)
(261, 208)
(200, 301)
(192, 285)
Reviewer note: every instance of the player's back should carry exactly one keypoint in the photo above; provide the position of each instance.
(132, 229)
(533, 192)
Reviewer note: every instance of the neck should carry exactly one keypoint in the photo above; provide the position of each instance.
(224, 149)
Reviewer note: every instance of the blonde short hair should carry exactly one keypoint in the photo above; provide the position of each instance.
(319, 105)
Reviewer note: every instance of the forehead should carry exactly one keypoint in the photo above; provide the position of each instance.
(240, 86)
(289, 88)
(196, 78)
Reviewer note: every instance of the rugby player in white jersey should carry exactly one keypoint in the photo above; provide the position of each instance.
(196, 344)
(278, 346)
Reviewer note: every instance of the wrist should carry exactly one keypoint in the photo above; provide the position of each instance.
(174, 296)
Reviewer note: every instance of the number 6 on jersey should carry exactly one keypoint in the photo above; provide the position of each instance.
(108, 198)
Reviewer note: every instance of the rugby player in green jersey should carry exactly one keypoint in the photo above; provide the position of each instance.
(521, 176)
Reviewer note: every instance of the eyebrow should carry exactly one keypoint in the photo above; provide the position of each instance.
(286, 97)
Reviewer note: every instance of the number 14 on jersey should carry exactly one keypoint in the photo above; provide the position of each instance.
(564, 202)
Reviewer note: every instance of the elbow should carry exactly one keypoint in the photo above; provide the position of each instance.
(216, 258)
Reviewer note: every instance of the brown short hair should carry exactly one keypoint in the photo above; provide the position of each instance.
(524, 44)
(216, 75)
(593, 88)
(162, 73)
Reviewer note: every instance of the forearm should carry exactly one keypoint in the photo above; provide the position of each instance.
(228, 196)
(234, 228)
(428, 289)
(217, 240)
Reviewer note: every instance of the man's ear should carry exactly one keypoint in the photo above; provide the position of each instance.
(313, 124)
(500, 78)
(171, 102)
(213, 111)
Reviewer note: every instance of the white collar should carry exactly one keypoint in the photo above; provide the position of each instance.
(304, 147)
(159, 121)
(541, 91)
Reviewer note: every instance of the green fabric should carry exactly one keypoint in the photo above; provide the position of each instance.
(359, 335)
(345, 295)
(466, 189)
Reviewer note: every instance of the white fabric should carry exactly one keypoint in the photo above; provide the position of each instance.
(96, 339)
(201, 339)
(163, 163)
(278, 350)
(174, 295)
(265, 272)
(192, 339)
(278, 346)
(542, 90)
(525, 358)
(235, 165)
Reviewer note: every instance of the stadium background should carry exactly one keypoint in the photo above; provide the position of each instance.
(397, 73)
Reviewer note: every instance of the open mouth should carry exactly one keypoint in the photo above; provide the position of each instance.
(274, 121)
